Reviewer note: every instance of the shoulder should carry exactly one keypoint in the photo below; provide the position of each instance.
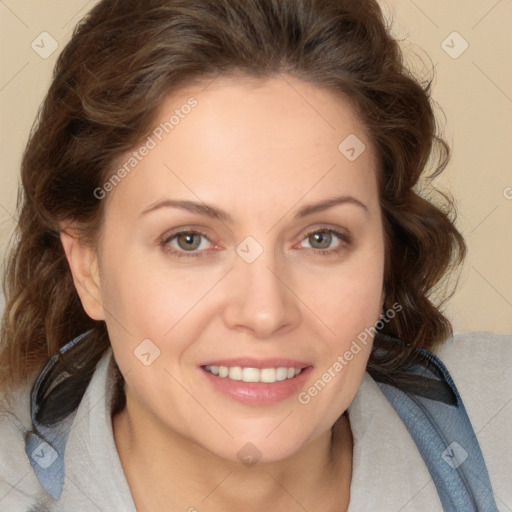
(480, 363)
(19, 488)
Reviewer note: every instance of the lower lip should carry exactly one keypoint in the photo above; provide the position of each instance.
(258, 393)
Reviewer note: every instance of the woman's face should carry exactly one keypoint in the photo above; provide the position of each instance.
(283, 268)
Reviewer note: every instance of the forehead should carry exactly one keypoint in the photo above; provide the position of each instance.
(278, 113)
(242, 140)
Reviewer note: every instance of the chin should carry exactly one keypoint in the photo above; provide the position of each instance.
(259, 445)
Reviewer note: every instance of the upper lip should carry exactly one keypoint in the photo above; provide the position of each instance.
(250, 362)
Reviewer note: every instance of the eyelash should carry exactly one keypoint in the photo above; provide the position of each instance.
(345, 239)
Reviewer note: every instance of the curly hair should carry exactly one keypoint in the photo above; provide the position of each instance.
(126, 56)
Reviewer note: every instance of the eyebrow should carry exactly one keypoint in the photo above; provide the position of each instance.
(216, 213)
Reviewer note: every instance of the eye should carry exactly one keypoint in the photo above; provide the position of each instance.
(183, 242)
(322, 239)
(193, 244)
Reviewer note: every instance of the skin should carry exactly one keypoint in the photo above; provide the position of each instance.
(260, 151)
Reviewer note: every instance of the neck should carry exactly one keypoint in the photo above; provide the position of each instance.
(187, 476)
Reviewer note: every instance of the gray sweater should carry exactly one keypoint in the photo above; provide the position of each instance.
(387, 476)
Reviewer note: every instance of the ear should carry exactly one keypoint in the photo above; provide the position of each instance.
(83, 262)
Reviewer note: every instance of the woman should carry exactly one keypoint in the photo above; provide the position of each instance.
(219, 298)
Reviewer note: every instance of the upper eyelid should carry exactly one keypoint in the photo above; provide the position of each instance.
(172, 233)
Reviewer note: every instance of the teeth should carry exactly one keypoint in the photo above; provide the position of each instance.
(251, 375)
(266, 375)
(235, 373)
(281, 373)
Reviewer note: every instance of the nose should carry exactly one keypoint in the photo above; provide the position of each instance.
(261, 301)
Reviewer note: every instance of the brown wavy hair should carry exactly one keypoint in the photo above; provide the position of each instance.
(126, 56)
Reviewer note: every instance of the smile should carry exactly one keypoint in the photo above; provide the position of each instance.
(248, 374)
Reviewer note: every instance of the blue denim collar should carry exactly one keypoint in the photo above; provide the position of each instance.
(45, 445)
(444, 436)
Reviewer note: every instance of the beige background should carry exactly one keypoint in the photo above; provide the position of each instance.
(473, 88)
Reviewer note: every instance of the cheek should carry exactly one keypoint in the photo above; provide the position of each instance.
(349, 305)
(344, 354)
(147, 298)
(145, 301)
(351, 299)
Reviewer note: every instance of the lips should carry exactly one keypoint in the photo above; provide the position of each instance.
(258, 393)
(278, 378)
